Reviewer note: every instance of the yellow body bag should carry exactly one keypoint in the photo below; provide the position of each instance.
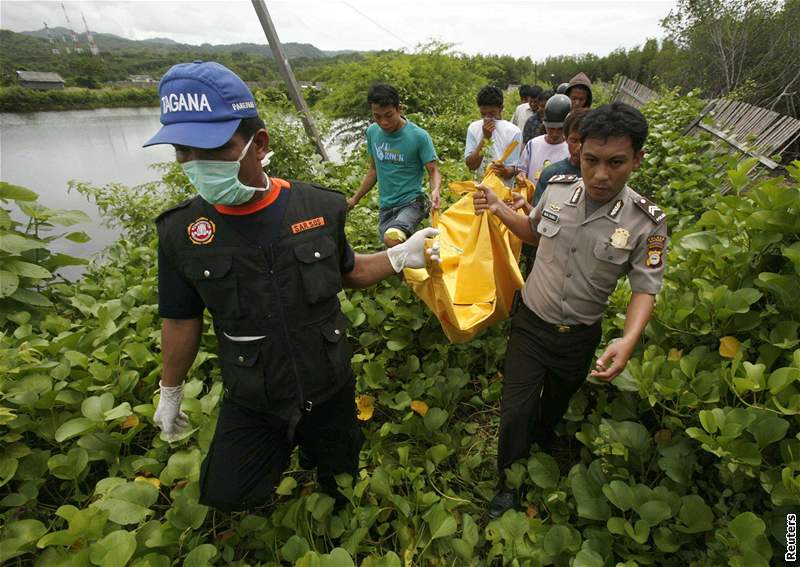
(474, 285)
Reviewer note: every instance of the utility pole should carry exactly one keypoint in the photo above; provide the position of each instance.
(288, 76)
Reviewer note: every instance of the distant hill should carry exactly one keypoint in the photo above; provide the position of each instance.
(121, 57)
(110, 42)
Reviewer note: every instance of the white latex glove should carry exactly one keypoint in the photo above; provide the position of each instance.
(411, 253)
(168, 416)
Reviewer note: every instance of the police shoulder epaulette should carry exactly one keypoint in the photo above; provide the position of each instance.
(564, 178)
(179, 206)
(649, 208)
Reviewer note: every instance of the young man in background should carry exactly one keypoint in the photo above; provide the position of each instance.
(399, 153)
(489, 136)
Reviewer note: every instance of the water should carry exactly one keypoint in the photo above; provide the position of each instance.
(43, 151)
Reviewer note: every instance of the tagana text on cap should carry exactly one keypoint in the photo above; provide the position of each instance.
(202, 104)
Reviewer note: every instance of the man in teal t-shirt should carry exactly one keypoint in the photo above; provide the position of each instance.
(399, 151)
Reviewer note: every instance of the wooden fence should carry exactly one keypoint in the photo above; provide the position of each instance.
(750, 130)
(630, 92)
(736, 127)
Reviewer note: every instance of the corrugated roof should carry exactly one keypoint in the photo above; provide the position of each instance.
(39, 77)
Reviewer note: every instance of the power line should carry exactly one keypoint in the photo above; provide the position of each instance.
(356, 10)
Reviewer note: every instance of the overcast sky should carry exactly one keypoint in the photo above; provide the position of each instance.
(514, 27)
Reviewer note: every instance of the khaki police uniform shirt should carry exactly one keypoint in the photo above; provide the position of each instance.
(580, 259)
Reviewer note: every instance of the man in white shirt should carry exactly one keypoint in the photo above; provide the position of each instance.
(530, 102)
(488, 138)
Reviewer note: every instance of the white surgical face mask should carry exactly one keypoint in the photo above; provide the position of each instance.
(218, 182)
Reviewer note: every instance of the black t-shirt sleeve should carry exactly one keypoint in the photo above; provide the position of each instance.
(177, 299)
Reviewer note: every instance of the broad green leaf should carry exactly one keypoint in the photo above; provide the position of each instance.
(286, 486)
(19, 536)
(746, 527)
(769, 429)
(114, 550)
(514, 524)
(152, 560)
(69, 466)
(95, 407)
(139, 353)
(434, 419)
(15, 244)
(438, 453)
(781, 378)
(122, 512)
(73, 428)
(654, 512)
(182, 465)
(79, 237)
(695, 515)
(559, 539)
(201, 556)
(31, 298)
(16, 193)
(25, 269)
(294, 548)
(61, 260)
(639, 533)
(588, 558)
(122, 410)
(9, 282)
(469, 530)
(440, 522)
(619, 494)
(68, 218)
(666, 540)
(8, 467)
(543, 470)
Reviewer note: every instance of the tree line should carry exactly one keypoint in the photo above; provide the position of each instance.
(744, 49)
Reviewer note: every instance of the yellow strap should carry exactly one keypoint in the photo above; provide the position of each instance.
(434, 218)
(511, 147)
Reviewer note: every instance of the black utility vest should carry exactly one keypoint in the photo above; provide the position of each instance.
(285, 293)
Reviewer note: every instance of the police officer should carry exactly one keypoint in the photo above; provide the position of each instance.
(267, 258)
(590, 233)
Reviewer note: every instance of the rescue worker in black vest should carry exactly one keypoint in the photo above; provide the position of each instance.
(590, 232)
(267, 258)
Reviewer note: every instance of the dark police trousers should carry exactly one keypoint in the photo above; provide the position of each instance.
(543, 369)
(251, 449)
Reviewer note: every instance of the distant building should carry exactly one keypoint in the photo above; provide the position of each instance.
(141, 79)
(40, 80)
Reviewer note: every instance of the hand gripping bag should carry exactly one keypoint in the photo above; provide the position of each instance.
(474, 285)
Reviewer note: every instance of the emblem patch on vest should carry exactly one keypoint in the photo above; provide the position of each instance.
(308, 224)
(655, 251)
(201, 231)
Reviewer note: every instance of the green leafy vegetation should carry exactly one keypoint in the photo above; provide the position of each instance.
(688, 458)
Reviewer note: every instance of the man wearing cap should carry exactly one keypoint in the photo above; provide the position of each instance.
(267, 258)
(590, 233)
(549, 148)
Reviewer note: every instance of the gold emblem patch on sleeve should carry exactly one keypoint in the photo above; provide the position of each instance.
(655, 251)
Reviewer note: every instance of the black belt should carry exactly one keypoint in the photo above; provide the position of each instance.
(560, 328)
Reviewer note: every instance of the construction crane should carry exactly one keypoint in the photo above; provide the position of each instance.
(92, 45)
(53, 47)
(76, 46)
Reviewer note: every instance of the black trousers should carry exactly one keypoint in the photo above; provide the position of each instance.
(543, 369)
(250, 451)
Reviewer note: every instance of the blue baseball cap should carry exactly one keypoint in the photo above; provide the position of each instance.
(202, 104)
